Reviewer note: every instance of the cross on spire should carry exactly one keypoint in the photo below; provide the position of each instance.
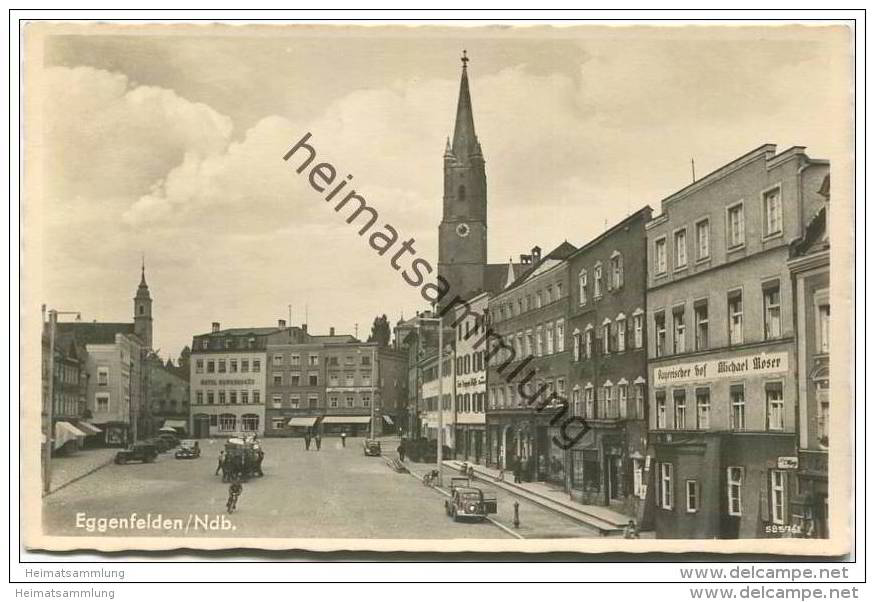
(465, 59)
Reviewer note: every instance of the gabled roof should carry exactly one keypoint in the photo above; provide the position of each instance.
(550, 260)
(95, 333)
(258, 331)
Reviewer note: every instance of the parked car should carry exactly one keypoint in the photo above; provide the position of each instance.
(470, 502)
(372, 447)
(170, 440)
(188, 449)
(143, 452)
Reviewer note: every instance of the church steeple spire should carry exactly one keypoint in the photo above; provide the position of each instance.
(143, 309)
(465, 142)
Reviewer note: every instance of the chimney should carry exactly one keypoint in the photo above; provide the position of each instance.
(304, 327)
(536, 254)
(331, 331)
(281, 323)
(525, 259)
(216, 327)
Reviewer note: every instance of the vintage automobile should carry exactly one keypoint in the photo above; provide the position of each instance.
(242, 460)
(168, 440)
(188, 449)
(143, 451)
(470, 502)
(372, 447)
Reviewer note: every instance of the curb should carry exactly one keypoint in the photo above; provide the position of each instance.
(80, 477)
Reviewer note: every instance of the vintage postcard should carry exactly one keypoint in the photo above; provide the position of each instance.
(438, 287)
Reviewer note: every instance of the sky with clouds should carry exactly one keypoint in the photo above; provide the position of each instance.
(170, 144)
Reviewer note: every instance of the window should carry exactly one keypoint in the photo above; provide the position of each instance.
(659, 256)
(332, 401)
(775, 406)
(680, 409)
(637, 477)
(349, 379)
(772, 212)
(233, 397)
(313, 379)
(560, 336)
(314, 359)
(211, 366)
(549, 294)
(350, 401)
(103, 376)
(660, 410)
(680, 249)
(679, 338)
(222, 366)
(736, 399)
(606, 338)
(616, 270)
(588, 401)
(232, 365)
(295, 359)
(823, 327)
(365, 377)
(581, 287)
(639, 400)
(638, 328)
(244, 396)
(621, 335)
(549, 333)
(735, 225)
(295, 379)
(703, 239)
(366, 400)
(227, 422)
(608, 408)
(244, 365)
(772, 312)
(256, 397)
(539, 299)
(295, 401)
(734, 479)
(210, 397)
(277, 360)
(597, 281)
(277, 378)
(530, 343)
(587, 339)
(256, 365)
(659, 324)
(779, 499)
(333, 380)
(576, 406)
(692, 496)
(665, 482)
(735, 309)
(313, 402)
(703, 409)
(222, 397)
(700, 311)
(199, 397)
(198, 366)
(576, 345)
(622, 399)
(102, 402)
(277, 401)
(539, 341)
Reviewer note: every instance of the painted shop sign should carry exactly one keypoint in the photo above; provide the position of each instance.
(751, 365)
(231, 381)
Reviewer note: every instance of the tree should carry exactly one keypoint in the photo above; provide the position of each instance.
(184, 360)
(381, 332)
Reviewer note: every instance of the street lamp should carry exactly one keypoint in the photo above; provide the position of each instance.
(50, 431)
(440, 442)
(375, 376)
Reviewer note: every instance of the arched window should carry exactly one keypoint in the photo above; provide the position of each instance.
(249, 422)
(227, 422)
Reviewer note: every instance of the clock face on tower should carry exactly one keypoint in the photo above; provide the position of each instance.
(463, 230)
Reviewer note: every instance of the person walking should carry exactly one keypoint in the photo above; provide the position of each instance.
(221, 460)
(307, 441)
(517, 469)
(400, 451)
(318, 441)
(343, 438)
(234, 492)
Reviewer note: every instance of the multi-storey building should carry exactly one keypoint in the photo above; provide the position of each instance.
(352, 389)
(168, 396)
(608, 367)
(722, 385)
(470, 381)
(528, 364)
(809, 267)
(70, 426)
(438, 396)
(227, 381)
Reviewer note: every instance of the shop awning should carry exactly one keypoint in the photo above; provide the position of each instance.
(87, 428)
(175, 424)
(388, 419)
(346, 420)
(307, 421)
(64, 432)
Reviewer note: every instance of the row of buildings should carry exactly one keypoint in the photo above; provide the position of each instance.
(674, 368)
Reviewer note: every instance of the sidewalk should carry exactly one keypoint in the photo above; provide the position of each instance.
(608, 522)
(72, 467)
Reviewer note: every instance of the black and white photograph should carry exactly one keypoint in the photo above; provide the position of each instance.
(438, 287)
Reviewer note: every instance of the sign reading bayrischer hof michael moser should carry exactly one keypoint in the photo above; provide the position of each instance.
(737, 367)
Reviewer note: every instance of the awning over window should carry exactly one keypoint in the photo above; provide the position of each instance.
(346, 420)
(175, 424)
(388, 419)
(303, 421)
(87, 428)
(64, 432)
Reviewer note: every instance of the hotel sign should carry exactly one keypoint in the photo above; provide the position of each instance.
(710, 370)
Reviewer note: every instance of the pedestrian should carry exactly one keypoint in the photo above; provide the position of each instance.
(221, 460)
(318, 441)
(517, 469)
(401, 451)
(234, 492)
(307, 440)
(343, 438)
(630, 531)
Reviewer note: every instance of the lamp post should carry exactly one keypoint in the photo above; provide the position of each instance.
(440, 442)
(50, 410)
(375, 375)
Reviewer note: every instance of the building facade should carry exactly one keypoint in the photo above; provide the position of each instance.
(228, 378)
(168, 397)
(809, 267)
(470, 381)
(528, 363)
(608, 368)
(69, 391)
(721, 347)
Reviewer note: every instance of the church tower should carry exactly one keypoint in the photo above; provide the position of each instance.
(143, 310)
(462, 232)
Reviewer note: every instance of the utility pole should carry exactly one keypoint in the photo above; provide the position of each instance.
(374, 385)
(693, 167)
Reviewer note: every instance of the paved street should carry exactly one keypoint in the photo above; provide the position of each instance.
(334, 493)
